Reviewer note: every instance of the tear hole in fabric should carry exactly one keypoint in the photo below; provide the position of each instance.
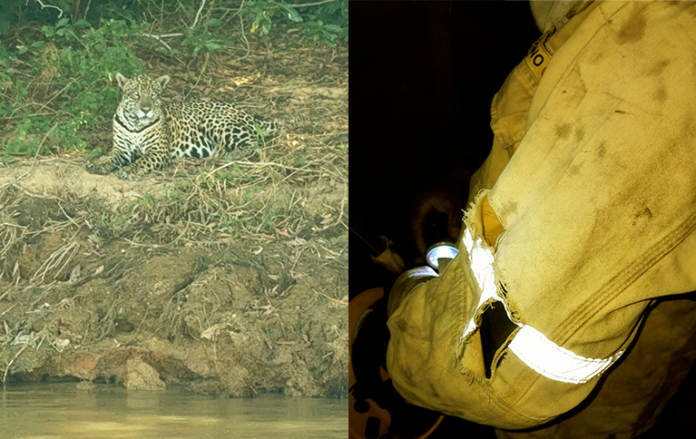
(495, 329)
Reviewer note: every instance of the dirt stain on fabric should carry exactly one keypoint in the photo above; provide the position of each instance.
(644, 213)
(602, 149)
(634, 29)
(688, 6)
(660, 95)
(508, 209)
(403, 326)
(563, 130)
(580, 133)
(657, 68)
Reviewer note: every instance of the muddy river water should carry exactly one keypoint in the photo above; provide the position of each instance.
(59, 410)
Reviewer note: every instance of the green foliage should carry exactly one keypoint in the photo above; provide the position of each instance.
(8, 14)
(327, 33)
(325, 22)
(72, 67)
(202, 38)
(57, 76)
(264, 13)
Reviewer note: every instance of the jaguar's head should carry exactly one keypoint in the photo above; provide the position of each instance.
(141, 100)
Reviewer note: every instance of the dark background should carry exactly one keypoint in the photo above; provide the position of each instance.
(422, 77)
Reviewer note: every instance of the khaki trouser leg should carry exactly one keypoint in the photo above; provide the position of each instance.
(625, 404)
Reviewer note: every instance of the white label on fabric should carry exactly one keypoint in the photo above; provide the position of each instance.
(531, 346)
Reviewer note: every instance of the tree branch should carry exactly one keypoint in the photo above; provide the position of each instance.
(54, 7)
(198, 14)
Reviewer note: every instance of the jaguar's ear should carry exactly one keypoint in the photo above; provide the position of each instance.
(162, 81)
(121, 80)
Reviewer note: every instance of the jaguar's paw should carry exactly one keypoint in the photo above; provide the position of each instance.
(101, 166)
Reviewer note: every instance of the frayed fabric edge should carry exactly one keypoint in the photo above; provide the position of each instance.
(471, 325)
(473, 208)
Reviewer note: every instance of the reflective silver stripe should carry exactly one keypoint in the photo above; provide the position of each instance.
(531, 346)
(555, 362)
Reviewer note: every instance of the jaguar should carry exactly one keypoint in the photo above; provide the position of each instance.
(148, 134)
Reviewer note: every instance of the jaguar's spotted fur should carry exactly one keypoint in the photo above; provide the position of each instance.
(148, 133)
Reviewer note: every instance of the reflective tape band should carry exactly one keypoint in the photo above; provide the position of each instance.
(531, 346)
(555, 362)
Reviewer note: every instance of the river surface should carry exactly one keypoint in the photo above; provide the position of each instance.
(59, 410)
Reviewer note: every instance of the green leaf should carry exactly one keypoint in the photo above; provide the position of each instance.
(49, 31)
(257, 21)
(293, 15)
(38, 45)
(62, 22)
(212, 46)
(213, 22)
(329, 38)
(22, 49)
(266, 26)
(333, 28)
(84, 24)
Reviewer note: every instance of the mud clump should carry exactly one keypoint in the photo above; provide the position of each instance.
(142, 376)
